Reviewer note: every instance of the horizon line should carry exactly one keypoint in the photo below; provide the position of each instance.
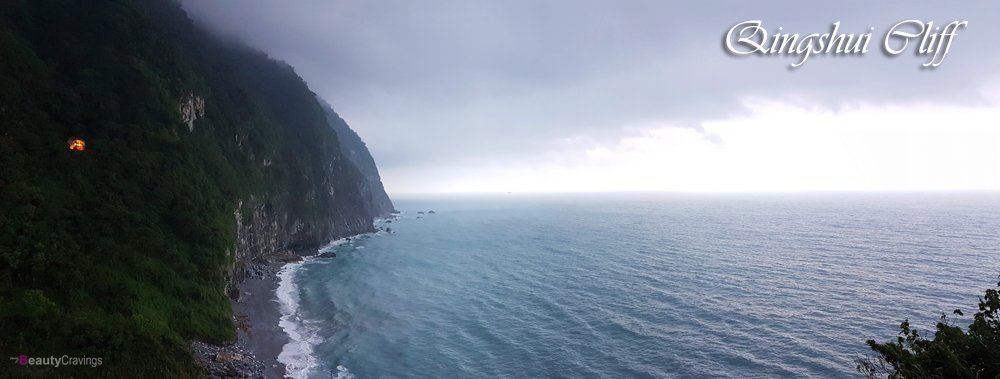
(707, 192)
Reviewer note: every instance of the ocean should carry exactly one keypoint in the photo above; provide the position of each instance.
(637, 285)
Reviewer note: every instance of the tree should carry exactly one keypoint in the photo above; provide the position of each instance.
(953, 353)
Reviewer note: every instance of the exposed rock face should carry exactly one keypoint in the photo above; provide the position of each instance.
(331, 201)
(267, 229)
(309, 191)
(355, 150)
(192, 108)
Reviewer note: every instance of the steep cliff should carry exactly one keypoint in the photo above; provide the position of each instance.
(201, 156)
(357, 152)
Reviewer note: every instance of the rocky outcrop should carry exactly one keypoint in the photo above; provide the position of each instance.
(192, 108)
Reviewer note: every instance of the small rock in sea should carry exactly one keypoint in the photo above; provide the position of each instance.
(328, 254)
(388, 230)
(419, 217)
(431, 212)
(420, 213)
(388, 221)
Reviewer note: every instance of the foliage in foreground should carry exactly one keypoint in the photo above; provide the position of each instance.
(953, 353)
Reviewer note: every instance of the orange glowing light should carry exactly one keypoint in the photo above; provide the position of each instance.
(76, 144)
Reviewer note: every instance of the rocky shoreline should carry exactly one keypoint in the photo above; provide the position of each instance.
(256, 314)
(259, 337)
(228, 361)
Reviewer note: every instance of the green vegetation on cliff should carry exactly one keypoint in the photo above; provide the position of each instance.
(121, 251)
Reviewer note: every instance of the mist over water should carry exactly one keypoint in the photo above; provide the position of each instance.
(616, 286)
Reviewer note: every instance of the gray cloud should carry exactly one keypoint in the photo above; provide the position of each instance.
(441, 82)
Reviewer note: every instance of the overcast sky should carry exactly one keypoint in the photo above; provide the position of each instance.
(527, 95)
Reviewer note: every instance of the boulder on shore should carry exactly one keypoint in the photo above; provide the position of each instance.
(226, 361)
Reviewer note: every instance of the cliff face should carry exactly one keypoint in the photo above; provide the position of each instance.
(265, 230)
(357, 153)
(201, 157)
(307, 185)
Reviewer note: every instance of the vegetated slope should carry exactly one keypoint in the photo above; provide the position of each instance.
(200, 156)
(356, 151)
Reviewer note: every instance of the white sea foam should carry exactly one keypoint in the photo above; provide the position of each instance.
(297, 354)
(335, 243)
(343, 373)
(382, 220)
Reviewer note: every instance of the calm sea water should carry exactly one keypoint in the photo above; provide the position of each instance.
(617, 286)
